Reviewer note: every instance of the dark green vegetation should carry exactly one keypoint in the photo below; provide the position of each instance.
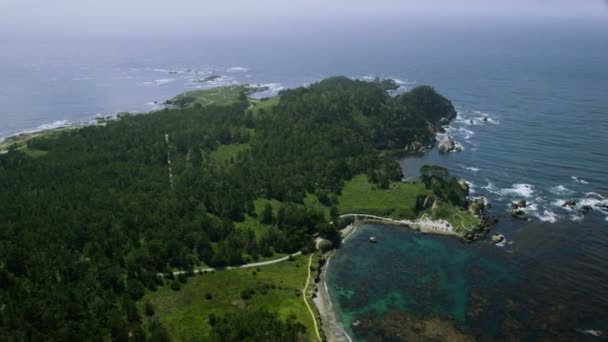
(86, 225)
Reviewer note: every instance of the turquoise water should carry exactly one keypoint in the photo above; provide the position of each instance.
(478, 288)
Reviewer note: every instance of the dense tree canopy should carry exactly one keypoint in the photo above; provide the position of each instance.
(85, 228)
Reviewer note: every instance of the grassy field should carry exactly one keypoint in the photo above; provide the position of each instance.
(19, 142)
(398, 202)
(220, 96)
(265, 105)
(224, 153)
(361, 197)
(461, 220)
(277, 289)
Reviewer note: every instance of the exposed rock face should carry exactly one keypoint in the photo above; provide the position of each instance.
(416, 147)
(465, 186)
(446, 145)
(519, 214)
(516, 211)
(477, 207)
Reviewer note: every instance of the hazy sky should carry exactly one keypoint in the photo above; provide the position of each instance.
(180, 16)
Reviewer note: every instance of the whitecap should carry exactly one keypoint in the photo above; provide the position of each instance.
(503, 242)
(576, 217)
(560, 190)
(466, 133)
(560, 204)
(237, 69)
(52, 125)
(548, 216)
(273, 87)
(519, 189)
(492, 189)
(589, 194)
(164, 81)
(579, 180)
(470, 168)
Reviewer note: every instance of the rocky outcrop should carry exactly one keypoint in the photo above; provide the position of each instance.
(516, 210)
(465, 186)
(477, 207)
(519, 214)
(416, 147)
(447, 144)
(498, 238)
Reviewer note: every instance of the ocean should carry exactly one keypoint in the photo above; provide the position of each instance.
(532, 101)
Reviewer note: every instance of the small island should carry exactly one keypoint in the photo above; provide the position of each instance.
(220, 197)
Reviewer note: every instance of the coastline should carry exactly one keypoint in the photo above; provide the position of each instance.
(332, 328)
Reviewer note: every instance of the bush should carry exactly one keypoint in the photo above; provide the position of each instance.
(208, 296)
(182, 278)
(149, 308)
(212, 319)
(176, 286)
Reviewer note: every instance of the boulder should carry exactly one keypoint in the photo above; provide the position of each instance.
(586, 208)
(522, 203)
(519, 214)
(446, 145)
(498, 238)
(569, 203)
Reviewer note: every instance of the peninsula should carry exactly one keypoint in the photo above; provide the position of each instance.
(154, 210)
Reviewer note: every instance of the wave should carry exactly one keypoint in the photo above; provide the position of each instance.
(576, 217)
(579, 180)
(48, 126)
(470, 168)
(466, 134)
(160, 82)
(492, 189)
(519, 189)
(560, 190)
(547, 216)
(589, 194)
(237, 69)
(273, 87)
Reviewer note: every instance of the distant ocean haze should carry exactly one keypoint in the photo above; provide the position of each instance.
(532, 124)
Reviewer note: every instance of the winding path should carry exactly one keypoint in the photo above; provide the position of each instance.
(312, 314)
(253, 264)
(424, 223)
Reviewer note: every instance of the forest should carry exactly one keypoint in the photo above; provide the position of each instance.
(88, 223)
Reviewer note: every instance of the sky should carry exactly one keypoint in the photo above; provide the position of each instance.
(33, 17)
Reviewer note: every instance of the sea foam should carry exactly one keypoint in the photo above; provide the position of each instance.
(548, 216)
(519, 189)
(579, 180)
(237, 69)
(560, 190)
